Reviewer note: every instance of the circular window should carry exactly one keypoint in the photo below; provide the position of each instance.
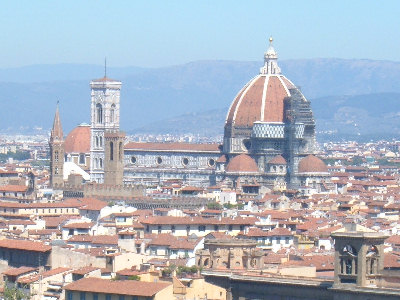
(133, 160)
(211, 162)
(185, 161)
(159, 160)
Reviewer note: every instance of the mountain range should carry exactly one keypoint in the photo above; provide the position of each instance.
(348, 96)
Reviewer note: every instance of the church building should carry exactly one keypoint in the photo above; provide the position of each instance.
(269, 140)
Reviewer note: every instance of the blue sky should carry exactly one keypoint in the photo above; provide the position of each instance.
(162, 33)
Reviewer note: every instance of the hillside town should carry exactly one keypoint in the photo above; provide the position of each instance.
(96, 214)
(51, 244)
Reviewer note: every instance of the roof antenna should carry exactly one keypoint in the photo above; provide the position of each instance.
(105, 67)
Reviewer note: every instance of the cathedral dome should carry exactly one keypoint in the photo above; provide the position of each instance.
(278, 160)
(78, 140)
(242, 163)
(312, 164)
(262, 98)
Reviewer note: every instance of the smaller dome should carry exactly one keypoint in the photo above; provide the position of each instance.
(242, 163)
(312, 164)
(222, 159)
(78, 140)
(277, 160)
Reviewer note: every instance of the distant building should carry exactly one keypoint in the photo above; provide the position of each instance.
(105, 95)
(56, 153)
(269, 141)
(97, 288)
(359, 272)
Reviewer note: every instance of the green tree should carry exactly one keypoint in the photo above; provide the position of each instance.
(134, 277)
(357, 160)
(19, 155)
(214, 205)
(229, 205)
(14, 293)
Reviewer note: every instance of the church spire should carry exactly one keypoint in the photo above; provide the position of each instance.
(270, 61)
(56, 131)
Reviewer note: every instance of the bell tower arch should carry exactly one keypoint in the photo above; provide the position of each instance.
(105, 101)
(359, 258)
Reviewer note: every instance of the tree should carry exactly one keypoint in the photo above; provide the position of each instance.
(14, 293)
(134, 277)
(357, 160)
(214, 205)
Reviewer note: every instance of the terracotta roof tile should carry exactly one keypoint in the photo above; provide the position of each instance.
(248, 109)
(13, 188)
(119, 287)
(257, 232)
(242, 163)
(24, 245)
(105, 240)
(80, 225)
(18, 271)
(278, 160)
(78, 140)
(84, 270)
(247, 106)
(105, 79)
(311, 164)
(91, 204)
(36, 277)
(168, 220)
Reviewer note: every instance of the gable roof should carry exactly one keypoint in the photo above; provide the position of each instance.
(24, 245)
(119, 287)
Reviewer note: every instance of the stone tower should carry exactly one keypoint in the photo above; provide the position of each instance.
(358, 256)
(56, 144)
(105, 96)
(114, 157)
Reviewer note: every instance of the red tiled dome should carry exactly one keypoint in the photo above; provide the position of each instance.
(277, 160)
(261, 99)
(222, 159)
(312, 164)
(242, 163)
(78, 140)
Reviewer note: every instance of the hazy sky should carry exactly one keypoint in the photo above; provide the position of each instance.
(160, 33)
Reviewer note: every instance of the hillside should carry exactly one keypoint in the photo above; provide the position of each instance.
(365, 117)
(29, 94)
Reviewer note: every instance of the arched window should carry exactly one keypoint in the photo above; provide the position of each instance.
(111, 151)
(348, 260)
(97, 141)
(96, 163)
(56, 155)
(120, 150)
(101, 141)
(372, 260)
(100, 163)
(112, 114)
(56, 171)
(99, 113)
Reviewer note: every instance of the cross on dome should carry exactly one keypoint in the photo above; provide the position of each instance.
(270, 61)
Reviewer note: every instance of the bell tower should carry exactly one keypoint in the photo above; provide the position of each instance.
(114, 157)
(105, 96)
(358, 256)
(56, 144)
